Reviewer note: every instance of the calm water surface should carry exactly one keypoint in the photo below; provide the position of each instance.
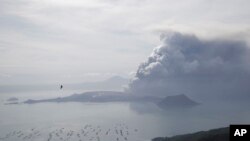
(107, 121)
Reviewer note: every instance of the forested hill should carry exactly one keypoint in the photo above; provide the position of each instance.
(221, 134)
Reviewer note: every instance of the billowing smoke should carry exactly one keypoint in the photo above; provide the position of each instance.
(187, 64)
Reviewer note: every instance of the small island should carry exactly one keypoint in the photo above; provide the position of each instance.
(177, 102)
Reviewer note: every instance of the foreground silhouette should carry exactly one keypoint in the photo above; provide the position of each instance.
(221, 134)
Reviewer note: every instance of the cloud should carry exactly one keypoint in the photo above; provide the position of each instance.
(63, 37)
(184, 63)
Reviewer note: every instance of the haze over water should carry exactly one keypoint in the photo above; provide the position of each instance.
(151, 49)
(143, 121)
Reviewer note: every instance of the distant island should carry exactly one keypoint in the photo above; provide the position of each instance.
(221, 134)
(100, 96)
(169, 102)
(177, 102)
(10, 101)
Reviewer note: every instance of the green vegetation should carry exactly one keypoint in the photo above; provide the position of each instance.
(221, 134)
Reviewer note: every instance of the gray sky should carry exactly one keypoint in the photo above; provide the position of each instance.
(58, 41)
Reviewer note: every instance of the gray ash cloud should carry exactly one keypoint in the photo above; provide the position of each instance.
(184, 63)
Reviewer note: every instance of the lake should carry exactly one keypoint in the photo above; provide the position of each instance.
(113, 121)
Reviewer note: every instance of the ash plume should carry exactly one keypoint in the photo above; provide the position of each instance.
(184, 63)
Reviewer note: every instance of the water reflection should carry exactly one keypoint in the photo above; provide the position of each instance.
(113, 120)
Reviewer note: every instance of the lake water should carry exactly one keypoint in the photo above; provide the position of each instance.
(114, 121)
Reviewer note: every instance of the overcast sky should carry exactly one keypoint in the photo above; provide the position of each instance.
(59, 41)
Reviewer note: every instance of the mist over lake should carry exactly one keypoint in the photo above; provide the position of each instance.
(143, 121)
(132, 70)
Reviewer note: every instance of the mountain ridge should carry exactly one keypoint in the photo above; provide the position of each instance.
(220, 134)
(170, 102)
